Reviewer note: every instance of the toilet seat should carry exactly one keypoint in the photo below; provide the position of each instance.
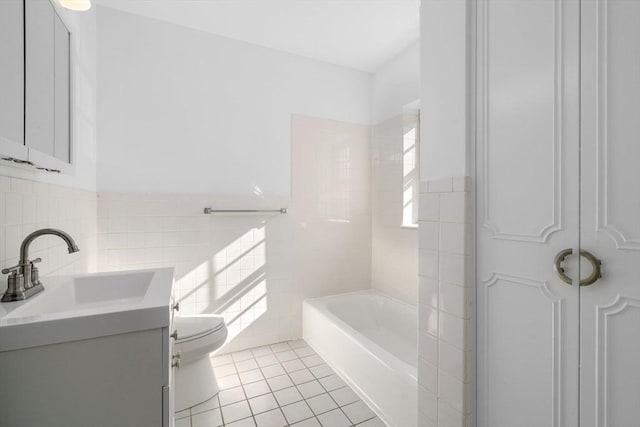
(198, 335)
(194, 327)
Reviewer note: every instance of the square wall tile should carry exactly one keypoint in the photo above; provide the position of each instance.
(428, 233)
(453, 238)
(428, 263)
(455, 300)
(453, 207)
(452, 269)
(429, 207)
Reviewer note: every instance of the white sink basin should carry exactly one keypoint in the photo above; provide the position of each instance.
(88, 306)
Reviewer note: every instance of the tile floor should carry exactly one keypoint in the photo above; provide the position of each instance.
(284, 384)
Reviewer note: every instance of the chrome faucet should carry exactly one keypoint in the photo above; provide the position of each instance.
(24, 281)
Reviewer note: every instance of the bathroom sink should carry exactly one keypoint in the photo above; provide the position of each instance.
(88, 306)
(86, 293)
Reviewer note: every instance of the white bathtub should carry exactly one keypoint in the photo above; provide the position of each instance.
(370, 340)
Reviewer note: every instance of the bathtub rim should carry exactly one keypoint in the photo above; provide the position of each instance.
(411, 370)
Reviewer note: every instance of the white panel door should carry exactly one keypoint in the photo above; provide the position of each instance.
(527, 165)
(610, 209)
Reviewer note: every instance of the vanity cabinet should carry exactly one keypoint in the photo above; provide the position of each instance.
(35, 115)
(91, 350)
(111, 381)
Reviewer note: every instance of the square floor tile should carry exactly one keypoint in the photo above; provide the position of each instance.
(236, 411)
(231, 395)
(287, 396)
(207, 419)
(183, 422)
(313, 360)
(266, 360)
(223, 359)
(261, 351)
(332, 382)
(304, 351)
(279, 382)
(273, 418)
(224, 370)
(298, 344)
(246, 365)
(334, 418)
(321, 403)
(309, 422)
(301, 376)
(283, 356)
(242, 355)
(344, 396)
(358, 412)
(310, 389)
(263, 403)
(273, 371)
(250, 376)
(230, 381)
(246, 422)
(281, 346)
(293, 365)
(297, 412)
(322, 370)
(257, 389)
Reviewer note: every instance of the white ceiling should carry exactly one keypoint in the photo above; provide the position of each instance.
(359, 34)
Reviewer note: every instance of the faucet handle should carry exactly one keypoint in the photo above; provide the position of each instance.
(13, 269)
(35, 261)
(15, 287)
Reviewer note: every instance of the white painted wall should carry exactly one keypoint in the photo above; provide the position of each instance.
(444, 90)
(396, 84)
(184, 111)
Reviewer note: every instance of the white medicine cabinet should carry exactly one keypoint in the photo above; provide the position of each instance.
(35, 76)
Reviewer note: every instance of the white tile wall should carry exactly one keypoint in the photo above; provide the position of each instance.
(445, 367)
(27, 205)
(394, 248)
(257, 269)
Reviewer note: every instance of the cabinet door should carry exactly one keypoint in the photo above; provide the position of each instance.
(528, 210)
(47, 95)
(11, 80)
(39, 60)
(62, 87)
(610, 209)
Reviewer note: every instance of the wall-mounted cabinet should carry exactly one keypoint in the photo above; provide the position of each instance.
(35, 106)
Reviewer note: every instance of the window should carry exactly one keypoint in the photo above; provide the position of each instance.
(410, 159)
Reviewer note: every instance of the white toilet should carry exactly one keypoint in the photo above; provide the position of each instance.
(198, 336)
